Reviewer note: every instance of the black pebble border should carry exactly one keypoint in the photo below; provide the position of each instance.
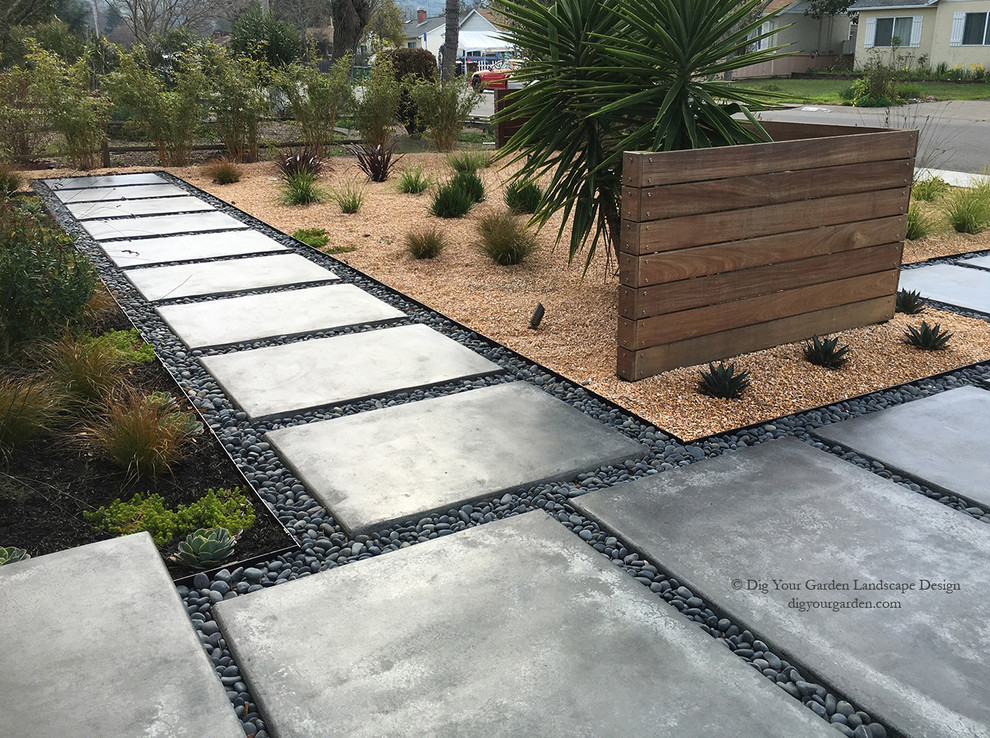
(324, 545)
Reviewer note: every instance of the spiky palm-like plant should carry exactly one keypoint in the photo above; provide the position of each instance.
(607, 76)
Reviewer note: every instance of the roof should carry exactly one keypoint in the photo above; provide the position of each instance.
(890, 4)
(775, 5)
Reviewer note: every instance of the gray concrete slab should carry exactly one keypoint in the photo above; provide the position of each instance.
(144, 251)
(328, 371)
(508, 629)
(160, 225)
(219, 277)
(147, 206)
(457, 449)
(248, 318)
(978, 261)
(942, 440)
(104, 194)
(758, 531)
(96, 642)
(105, 180)
(953, 285)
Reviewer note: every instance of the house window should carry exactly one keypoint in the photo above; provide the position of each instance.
(764, 43)
(976, 30)
(893, 31)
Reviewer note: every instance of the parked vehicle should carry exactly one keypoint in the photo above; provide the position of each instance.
(496, 78)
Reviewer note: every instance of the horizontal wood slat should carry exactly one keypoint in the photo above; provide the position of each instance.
(635, 365)
(697, 230)
(671, 266)
(647, 169)
(671, 297)
(679, 326)
(781, 130)
(693, 198)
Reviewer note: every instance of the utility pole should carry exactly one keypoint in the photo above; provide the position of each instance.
(96, 19)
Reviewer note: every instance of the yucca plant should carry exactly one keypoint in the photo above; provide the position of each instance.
(348, 196)
(206, 549)
(523, 196)
(929, 189)
(222, 171)
(909, 302)
(927, 337)
(11, 555)
(412, 181)
(451, 201)
(607, 76)
(919, 223)
(723, 381)
(376, 161)
(826, 352)
(469, 161)
(505, 239)
(471, 183)
(426, 243)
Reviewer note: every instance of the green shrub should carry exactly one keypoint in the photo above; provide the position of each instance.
(826, 353)
(300, 189)
(505, 239)
(875, 89)
(919, 224)
(451, 201)
(470, 161)
(927, 337)
(909, 302)
(426, 243)
(523, 196)
(412, 181)
(968, 208)
(205, 549)
(316, 100)
(87, 371)
(410, 65)
(348, 196)
(238, 100)
(27, 407)
(723, 381)
(261, 36)
(222, 171)
(10, 180)
(222, 508)
(11, 555)
(128, 347)
(19, 132)
(45, 283)
(443, 108)
(471, 183)
(929, 189)
(375, 113)
(143, 434)
(124, 518)
(315, 237)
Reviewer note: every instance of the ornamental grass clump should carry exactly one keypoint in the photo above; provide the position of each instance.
(222, 171)
(412, 181)
(348, 196)
(919, 223)
(469, 161)
(27, 408)
(451, 201)
(10, 181)
(523, 196)
(929, 189)
(723, 381)
(505, 238)
(426, 243)
(470, 183)
(968, 208)
(87, 371)
(299, 170)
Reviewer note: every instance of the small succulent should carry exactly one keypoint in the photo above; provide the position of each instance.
(12, 555)
(206, 549)
(722, 381)
(826, 352)
(927, 337)
(909, 302)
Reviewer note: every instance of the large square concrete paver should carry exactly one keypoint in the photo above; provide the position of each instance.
(978, 261)
(237, 319)
(951, 284)
(794, 543)
(385, 466)
(148, 206)
(327, 371)
(160, 225)
(513, 628)
(96, 642)
(942, 440)
(104, 194)
(218, 277)
(105, 180)
(143, 251)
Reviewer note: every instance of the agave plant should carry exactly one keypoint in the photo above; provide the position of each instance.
(607, 76)
(826, 352)
(927, 337)
(206, 549)
(12, 555)
(722, 381)
(909, 302)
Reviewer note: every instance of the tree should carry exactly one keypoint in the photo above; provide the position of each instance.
(149, 17)
(384, 30)
(259, 35)
(448, 52)
(350, 18)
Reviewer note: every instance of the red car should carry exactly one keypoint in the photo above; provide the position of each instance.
(496, 78)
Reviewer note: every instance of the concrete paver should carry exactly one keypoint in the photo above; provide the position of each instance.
(143, 251)
(951, 284)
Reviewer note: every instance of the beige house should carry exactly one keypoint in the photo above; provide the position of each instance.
(954, 32)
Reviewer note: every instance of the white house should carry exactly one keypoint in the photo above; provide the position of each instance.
(477, 36)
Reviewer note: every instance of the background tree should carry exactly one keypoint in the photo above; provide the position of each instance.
(350, 18)
(822, 10)
(149, 17)
(384, 29)
(261, 36)
(448, 52)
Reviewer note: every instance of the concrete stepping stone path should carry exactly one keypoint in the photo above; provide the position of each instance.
(381, 467)
(942, 441)
(954, 285)
(983, 262)
(782, 534)
(249, 318)
(105, 180)
(96, 642)
(219, 277)
(327, 371)
(512, 628)
(144, 251)
(105, 194)
(160, 225)
(130, 208)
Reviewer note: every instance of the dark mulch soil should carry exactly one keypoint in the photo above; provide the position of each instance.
(46, 484)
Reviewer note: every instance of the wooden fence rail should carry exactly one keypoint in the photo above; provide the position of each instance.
(739, 248)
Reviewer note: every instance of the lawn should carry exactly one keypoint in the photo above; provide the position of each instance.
(828, 91)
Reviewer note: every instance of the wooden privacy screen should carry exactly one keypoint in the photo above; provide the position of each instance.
(739, 248)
